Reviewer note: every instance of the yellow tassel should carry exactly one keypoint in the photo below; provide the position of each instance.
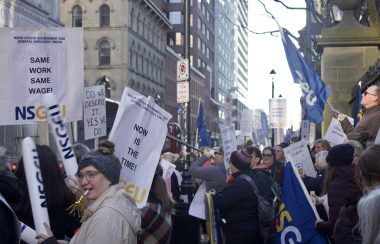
(78, 207)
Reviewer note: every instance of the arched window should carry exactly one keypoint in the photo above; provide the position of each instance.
(77, 16)
(104, 53)
(104, 13)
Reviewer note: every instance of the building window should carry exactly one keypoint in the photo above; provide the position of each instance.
(104, 53)
(77, 16)
(191, 40)
(176, 17)
(178, 38)
(104, 12)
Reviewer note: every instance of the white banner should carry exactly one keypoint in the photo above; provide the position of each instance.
(298, 153)
(246, 123)
(139, 133)
(94, 115)
(277, 113)
(229, 144)
(197, 206)
(37, 62)
(335, 133)
(305, 129)
(312, 133)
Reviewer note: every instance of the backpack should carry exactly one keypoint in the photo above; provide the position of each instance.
(266, 213)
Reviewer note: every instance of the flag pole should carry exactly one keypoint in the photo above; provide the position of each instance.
(196, 132)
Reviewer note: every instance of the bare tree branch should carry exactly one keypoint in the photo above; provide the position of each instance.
(286, 6)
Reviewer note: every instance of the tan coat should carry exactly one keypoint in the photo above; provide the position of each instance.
(111, 218)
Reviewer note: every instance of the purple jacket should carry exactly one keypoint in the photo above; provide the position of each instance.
(341, 191)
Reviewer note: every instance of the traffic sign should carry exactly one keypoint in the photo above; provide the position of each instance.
(183, 92)
(182, 69)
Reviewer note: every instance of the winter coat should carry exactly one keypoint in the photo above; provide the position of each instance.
(370, 122)
(10, 192)
(315, 183)
(112, 218)
(214, 174)
(341, 191)
(237, 204)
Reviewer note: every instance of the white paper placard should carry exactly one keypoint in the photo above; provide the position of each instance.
(37, 62)
(335, 133)
(229, 144)
(94, 115)
(246, 122)
(197, 206)
(298, 153)
(139, 133)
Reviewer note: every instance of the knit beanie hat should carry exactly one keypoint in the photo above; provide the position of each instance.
(241, 159)
(340, 155)
(104, 161)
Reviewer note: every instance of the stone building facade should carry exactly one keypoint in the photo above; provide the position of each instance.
(124, 44)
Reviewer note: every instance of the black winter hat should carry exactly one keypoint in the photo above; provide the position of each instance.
(340, 155)
(242, 159)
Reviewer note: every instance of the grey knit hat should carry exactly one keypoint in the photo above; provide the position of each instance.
(104, 161)
(241, 159)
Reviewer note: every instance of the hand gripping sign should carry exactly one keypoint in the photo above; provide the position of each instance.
(60, 134)
(35, 185)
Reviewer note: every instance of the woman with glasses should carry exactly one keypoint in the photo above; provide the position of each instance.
(112, 216)
(275, 169)
(369, 125)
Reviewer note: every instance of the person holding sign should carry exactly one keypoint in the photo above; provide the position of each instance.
(58, 196)
(369, 125)
(112, 217)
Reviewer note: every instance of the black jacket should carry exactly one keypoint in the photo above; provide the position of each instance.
(9, 188)
(237, 203)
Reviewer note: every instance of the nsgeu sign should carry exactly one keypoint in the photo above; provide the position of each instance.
(38, 62)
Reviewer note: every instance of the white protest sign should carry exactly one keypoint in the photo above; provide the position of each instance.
(305, 129)
(277, 113)
(312, 133)
(229, 143)
(377, 140)
(335, 133)
(197, 206)
(246, 122)
(94, 115)
(139, 133)
(298, 153)
(167, 168)
(38, 62)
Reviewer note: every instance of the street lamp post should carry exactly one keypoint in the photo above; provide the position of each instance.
(272, 74)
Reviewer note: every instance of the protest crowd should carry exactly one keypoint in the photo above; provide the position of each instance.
(252, 197)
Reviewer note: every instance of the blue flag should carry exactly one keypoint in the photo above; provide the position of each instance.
(357, 106)
(296, 219)
(204, 140)
(314, 92)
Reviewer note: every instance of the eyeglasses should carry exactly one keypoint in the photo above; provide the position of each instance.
(366, 93)
(217, 153)
(267, 155)
(89, 175)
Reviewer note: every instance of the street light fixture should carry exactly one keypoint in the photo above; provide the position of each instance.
(272, 74)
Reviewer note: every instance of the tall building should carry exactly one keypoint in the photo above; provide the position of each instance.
(27, 14)
(240, 60)
(201, 57)
(121, 49)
